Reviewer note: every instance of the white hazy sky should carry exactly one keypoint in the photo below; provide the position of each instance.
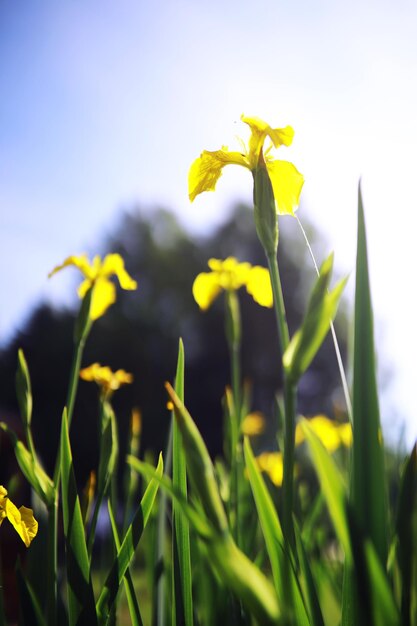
(106, 103)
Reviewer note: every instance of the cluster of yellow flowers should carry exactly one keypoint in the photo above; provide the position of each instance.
(21, 518)
(332, 435)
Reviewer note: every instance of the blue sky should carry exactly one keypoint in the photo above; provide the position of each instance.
(105, 104)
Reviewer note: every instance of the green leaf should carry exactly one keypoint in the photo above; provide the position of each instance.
(23, 389)
(31, 468)
(199, 523)
(127, 550)
(81, 607)
(29, 605)
(406, 528)
(182, 609)
(109, 447)
(316, 616)
(372, 602)
(368, 495)
(285, 580)
(199, 465)
(132, 601)
(321, 310)
(332, 486)
(230, 564)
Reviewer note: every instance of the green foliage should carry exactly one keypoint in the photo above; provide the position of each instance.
(222, 554)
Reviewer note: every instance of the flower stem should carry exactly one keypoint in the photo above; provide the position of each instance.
(233, 334)
(289, 403)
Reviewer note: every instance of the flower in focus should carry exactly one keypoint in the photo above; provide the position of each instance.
(107, 380)
(272, 463)
(21, 519)
(253, 424)
(231, 275)
(331, 434)
(97, 274)
(286, 180)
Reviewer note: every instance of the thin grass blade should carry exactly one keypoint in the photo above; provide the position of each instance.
(285, 580)
(81, 606)
(132, 601)
(368, 482)
(182, 605)
(406, 529)
(127, 550)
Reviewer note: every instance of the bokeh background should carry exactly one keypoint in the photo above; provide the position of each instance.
(103, 107)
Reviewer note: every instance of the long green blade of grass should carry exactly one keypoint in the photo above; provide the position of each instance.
(406, 528)
(30, 608)
(182, 605)
(368, 486)
(368, 489)
(132, 601)
(285, 581)
(312, 600)
(127, 550)
(332, 486)
(81, 607)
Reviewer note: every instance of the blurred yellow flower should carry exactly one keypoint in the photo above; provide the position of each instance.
(272, 463)
(231, 275)
(107, 380)
(286, 180)
(97, 274)
(253, 424)
(331, 434)
(21, 519)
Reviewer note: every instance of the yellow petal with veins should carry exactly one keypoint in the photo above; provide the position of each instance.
(207, 169)
(287, 183)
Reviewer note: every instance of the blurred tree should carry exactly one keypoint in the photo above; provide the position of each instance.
(140, 334)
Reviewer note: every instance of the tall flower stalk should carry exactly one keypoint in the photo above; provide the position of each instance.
(229, 276)
(277, 188)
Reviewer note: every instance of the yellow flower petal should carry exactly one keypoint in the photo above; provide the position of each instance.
(272, 463)
(113, 264)
(104, 294)
(345, 434)
(207, 169)
(21, 519)
(258, 285)
(253, 424)
(108, 380)
(327, 431)
(28, 525)
(287, 183)
(81, 262)
(259, 131)
(206, 288)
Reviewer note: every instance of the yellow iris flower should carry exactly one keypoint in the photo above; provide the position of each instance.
(231, 275)
(105, 378)
(331, 434)
(97, 274)
(286, 180)
(21, 518)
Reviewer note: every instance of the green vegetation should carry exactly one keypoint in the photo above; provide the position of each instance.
(303, 531)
